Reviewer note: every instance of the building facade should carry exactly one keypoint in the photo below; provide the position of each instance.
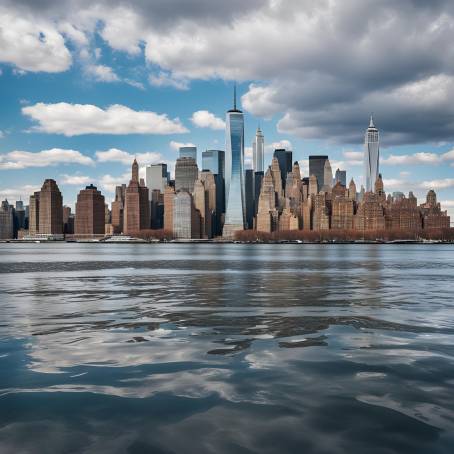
(90, 213)
(371, 156)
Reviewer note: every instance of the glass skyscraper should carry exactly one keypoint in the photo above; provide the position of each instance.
(371, 156)
(234, 174)
(317, 168)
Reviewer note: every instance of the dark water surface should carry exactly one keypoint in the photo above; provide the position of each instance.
(234, 348)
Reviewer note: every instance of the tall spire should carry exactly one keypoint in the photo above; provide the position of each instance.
(371, 124)
(234, 96)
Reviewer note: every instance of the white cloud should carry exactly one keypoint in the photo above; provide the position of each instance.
(75, 35)
(2, 134)
(163, 79)
(116, 155)
(134, 83)
(438, 184)
(76, 180)
(177, 145)
(78, 119)
(102, 73)
(22, 159)
(109, 182)
(286, 144)
(20, 193)
(205, 119)
(31, 44)
(417, 158)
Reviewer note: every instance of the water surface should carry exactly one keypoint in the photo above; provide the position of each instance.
(231, 348)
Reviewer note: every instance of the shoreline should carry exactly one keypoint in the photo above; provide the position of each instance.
(211, 241)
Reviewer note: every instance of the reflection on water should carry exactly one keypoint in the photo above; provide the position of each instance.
(226, 348)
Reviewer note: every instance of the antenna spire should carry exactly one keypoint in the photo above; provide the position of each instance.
(234, 95)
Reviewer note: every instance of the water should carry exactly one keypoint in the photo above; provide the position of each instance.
(226, 348)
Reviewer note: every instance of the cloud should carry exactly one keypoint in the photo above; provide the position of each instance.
(109, 182)
(205, 119)
(116, 155)
(134, 83)
(78, 119)
(76, 180)
(177, 145)
(281, 144)
(322, 80)
(418, 158)
(163, 79)
(55, 156)
(31, 44)
(444, 183)
(102, 73)
(19, 193)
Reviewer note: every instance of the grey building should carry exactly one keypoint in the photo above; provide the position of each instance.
(188, 152)
(249, 194)
(341, 177)
(285, 160)
(6, 221)
(186, 219)
(258, 177)
(186, 173)
(317, 168)
(156, 178)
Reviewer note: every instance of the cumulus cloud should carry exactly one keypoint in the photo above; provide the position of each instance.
(76, 180)
(163, 79)
(22, 159)
(102, 73)
(177, 145)
(281, 144)
(444, 183)
(31, 44)
(116, 155)
(206, 119)
(418, 158)
(322, 79)
(78, 119)
(18, 193)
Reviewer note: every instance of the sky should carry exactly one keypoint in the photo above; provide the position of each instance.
(86, 86)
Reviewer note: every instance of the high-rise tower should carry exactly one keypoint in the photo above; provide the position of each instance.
(258, 150)
(371, 156)
(234, 174)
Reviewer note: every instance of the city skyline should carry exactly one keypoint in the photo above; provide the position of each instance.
(79, 106)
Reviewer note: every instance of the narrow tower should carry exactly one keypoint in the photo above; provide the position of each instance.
(234, 174)
(371, 156)
(258, 149)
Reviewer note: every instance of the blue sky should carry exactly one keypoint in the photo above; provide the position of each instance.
(85, 86)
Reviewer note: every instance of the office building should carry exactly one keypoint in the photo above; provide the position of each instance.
(371, 156)
(156, 178)
(327, 177)
(234, 174)
(249, 195)
(186, 219)
(188, 152)
(136, 214)
(285, 160)
(186, 174)
(258, 151)
(341, 177)
(50, 209)
(6, 221)
(90, 213)
(317, 168)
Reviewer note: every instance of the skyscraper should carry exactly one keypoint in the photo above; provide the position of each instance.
(284, 158)
(317, 168)
(258, 151)
(341, 177)
(6, 221)
(234, 174)
(186, 174)
(371, 156)
(156, 177)
(50, 209)
(90, 212)
(188, 152)
(136, 214)
(33, 220)
(327, 177)
(249, 196)
(186, 219)
(214, 161)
